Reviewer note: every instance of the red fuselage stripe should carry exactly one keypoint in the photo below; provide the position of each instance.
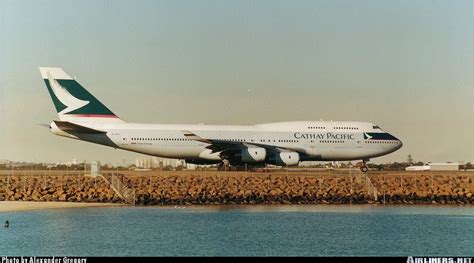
(94, 115)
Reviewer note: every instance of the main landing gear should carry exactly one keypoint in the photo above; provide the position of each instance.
(224, 165)
(363, 165)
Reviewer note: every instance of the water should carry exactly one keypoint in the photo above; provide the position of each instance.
(241, 231)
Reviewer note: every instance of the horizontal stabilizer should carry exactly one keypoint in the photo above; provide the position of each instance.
(71, 127)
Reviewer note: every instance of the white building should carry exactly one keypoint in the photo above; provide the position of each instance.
(155, 162)
(73, 162)
(418, 168)
(444, 166)
(147, 162)
(95, 168)
(435, 167)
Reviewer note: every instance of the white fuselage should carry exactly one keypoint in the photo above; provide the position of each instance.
(82, 116)
(312, 140)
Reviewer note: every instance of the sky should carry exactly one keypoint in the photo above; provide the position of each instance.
(405, 65)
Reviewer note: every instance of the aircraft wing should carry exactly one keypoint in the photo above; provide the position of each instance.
(222, 145)
(214, 145)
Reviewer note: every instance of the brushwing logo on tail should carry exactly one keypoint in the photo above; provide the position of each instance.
(65, 97)
(367, 137)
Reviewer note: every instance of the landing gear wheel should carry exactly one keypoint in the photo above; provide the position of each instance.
(220, 167)
(223, 166)
(363, 165)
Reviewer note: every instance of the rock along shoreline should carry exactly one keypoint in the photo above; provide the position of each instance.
(218, 188)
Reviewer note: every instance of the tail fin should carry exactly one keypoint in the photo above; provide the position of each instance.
(72, 101)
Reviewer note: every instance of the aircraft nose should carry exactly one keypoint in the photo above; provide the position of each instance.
(399, 143)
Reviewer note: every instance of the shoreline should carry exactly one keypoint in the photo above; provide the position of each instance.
(21, 206)
(24, 206)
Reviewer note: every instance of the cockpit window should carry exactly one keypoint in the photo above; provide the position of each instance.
(375, 127)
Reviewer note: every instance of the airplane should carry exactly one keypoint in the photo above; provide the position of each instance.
(83, 117)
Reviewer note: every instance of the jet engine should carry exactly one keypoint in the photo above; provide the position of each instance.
(252, 155)
(285, 159)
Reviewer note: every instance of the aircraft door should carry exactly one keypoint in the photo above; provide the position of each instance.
(124, 138)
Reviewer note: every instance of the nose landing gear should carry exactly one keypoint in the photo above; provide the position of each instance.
(363, 166)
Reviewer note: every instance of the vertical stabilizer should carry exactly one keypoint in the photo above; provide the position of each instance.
(72, 101)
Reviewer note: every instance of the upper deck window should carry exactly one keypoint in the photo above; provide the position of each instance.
(375, 127)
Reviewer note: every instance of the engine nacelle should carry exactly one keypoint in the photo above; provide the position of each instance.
(210, 156)
(252, 155)
(285, 159)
